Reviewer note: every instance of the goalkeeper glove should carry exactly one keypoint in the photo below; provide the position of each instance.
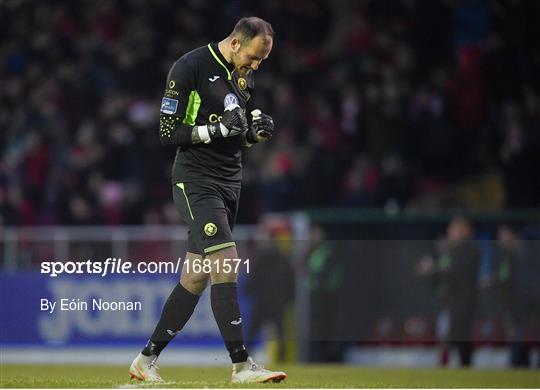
(262, 127)
(232, 123)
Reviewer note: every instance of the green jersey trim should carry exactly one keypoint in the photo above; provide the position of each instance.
(194, 103)
(182, 187)
(218, 247)
(229, 75)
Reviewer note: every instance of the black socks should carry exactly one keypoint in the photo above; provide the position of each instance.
(227, 314)
(179, 308)
(176, 312)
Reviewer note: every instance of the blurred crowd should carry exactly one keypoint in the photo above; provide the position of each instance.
(409, 104)
(463, 272)
(474, 285)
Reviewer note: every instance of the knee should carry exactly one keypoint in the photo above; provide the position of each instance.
(223, 270)
(222, 277)
(194, 286)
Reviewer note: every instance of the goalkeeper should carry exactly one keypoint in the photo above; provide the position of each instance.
(203, 115)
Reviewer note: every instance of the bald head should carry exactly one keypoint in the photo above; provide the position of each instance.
(248, 28)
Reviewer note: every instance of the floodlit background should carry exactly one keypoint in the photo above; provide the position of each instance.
(393, 220)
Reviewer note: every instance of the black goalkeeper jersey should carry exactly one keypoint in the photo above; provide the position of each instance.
(199, 87)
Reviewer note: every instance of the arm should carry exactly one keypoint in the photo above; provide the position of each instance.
(262, 129)
(177, 115)
(179, 109)
(173, 132)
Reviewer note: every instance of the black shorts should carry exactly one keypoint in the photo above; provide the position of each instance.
(209, 210)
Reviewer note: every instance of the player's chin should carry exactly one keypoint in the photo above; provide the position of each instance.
(244, 71)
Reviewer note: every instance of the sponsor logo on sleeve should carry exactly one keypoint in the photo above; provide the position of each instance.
(169, 106)
(171, 93)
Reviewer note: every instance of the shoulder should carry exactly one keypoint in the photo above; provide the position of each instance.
(196, 55)
(190, 63)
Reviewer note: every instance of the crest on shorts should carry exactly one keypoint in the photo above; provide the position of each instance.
(242, 83)
(210, 229)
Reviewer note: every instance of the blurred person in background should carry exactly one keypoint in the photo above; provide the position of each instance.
(326, 274)
(454, 272)
(203, 115)
(271, 285)
(521, 306)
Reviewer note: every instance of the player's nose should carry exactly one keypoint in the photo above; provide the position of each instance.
(255, 65)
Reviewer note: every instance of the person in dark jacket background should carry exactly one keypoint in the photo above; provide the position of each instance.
(455, 274)
(271, 285)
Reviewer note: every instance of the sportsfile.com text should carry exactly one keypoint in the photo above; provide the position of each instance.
(113, 265)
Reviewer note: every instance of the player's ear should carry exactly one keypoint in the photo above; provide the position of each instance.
(235, 44)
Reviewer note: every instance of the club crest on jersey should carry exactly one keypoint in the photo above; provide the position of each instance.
(230, 99)
(242, 83)
(169, 106)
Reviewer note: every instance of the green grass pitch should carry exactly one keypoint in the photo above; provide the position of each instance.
(300, 376)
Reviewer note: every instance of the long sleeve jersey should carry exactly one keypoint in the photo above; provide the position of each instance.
(199, 86)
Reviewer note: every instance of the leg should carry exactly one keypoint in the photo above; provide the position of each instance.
(178, 308)
(184, 297)
(191, 281)
(181, 302)
(176, 312)
(227, 314)
(224, 299)
(212, 211)
(465, 349)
